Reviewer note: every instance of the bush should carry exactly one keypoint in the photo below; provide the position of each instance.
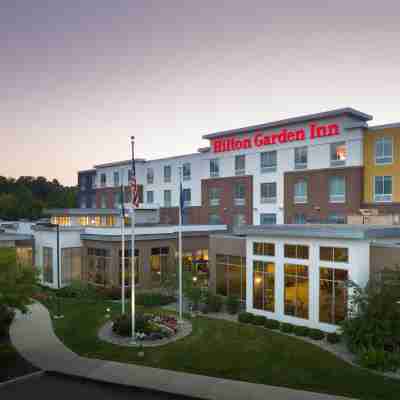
(6, 317)
(232, 304)
(333, 337)
(153, 299)
(245, 317)
(316, 334)
(7, 354)
(122, 325)
(287, 328)
(213, 302)
(78, 290)
(272, 324)
(379, 359)
(301, 330)
(259, 320)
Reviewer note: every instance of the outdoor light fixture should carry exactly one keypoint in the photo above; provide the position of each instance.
(195, 279)
(258, 280)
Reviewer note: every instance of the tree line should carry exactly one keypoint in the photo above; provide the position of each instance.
(27, 197)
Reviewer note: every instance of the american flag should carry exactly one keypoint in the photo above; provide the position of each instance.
(133, 183)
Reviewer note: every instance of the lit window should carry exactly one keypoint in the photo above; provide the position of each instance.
(264, 249)
(159, 263)
(48, 265)
(334, 254)
(384, 150)
(337, 189)
(214, 168)
(240, 164)
(296, 251)
(231, 276)
(296, 290)
(264, 286)
(300, 192)
(62, 220)
(300, 157)
(383, 189)
(268, 192)
(338, 154)
(268, 161)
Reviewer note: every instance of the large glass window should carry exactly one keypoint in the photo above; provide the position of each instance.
(264, 285)
(267, 219)
(150, 197)
(334, 254)
(384, 150)
(214, 167)
(332, 295)
(167, 198)
(214, 196)
(99, 266)
(71, 264)
(300, 157)
(63, 220)
(268, 192)
(296, 251)
(167, 173)
(196, 262)
(150, 176)
(264, 249)
(186, 172)
(24, 256)
(159, 263)
(296, 290)
(338, 154)
(187, 197)
(116, 178)
(231, 276)
(239, 194)
(240, 164)
(300, 192)
(128, 267)
(48, 275)
(268, 161)
(103, 180)
(383, 189)
(337, 189)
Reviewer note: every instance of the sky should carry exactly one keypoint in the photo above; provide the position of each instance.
(78, 78)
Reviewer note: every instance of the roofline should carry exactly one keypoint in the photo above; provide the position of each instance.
(116, 163)
(384, 126)
(86, 170)
(289, 121)
(81, 211)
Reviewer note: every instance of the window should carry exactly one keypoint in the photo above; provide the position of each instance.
(196, 262)
(268, 192)
(24, 256)
(159, 263)
(296, 290)
(335, 218)
(214, 196)
(150, 176)
(71, 264)
(239, 194)
(167, 173)
(296, 251)
(103, 200)
(332, 295)
(384, 150)
(63, 220)
(186, 172)
(214, 167)
(334, 254)
(187, 197)
(118, 200)
(300, 192)
(116, 178)
(214, 219)
(231, 276)
(383, 188)
(83, 202)
(99, 266)
(128, 267)
(267, 219)
(103, 180)
(338, 154)
(337, 189)
(300, 219)
(240, 164)
(239, 219)
(264, 249)
(167, 198)
(48, 276)
(300, 157)
(264, 286)
(150, 197)
(268, 161)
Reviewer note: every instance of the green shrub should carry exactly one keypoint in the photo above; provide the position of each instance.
(287, 328)
(259, 320)
(333, 337)
(153, 299)
(232, 304)
(301, 330)
(6, 317)
(213, 302)
(379, 359)
(272, 324)
(78, 290)
(122, 325)
(245, 317)
(316, 334)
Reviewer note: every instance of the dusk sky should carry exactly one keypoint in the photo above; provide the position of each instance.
(79, 77)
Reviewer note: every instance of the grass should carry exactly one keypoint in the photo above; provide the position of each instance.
(229, 350)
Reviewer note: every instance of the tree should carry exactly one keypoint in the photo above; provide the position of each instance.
(17, 283)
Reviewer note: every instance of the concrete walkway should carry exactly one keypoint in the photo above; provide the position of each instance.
(34, 338)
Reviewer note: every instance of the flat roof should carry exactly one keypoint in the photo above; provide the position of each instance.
(289, 121)
(324, 231)
(385, 126)
(12, 237)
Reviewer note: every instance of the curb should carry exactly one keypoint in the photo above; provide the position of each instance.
(22, 378)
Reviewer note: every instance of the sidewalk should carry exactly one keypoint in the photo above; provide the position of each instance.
(34, 338)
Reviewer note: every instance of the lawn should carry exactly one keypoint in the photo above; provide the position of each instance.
(229, 350)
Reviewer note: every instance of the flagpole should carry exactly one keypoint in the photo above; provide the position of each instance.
(122, 246)
(180, 246)
(133, 248)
